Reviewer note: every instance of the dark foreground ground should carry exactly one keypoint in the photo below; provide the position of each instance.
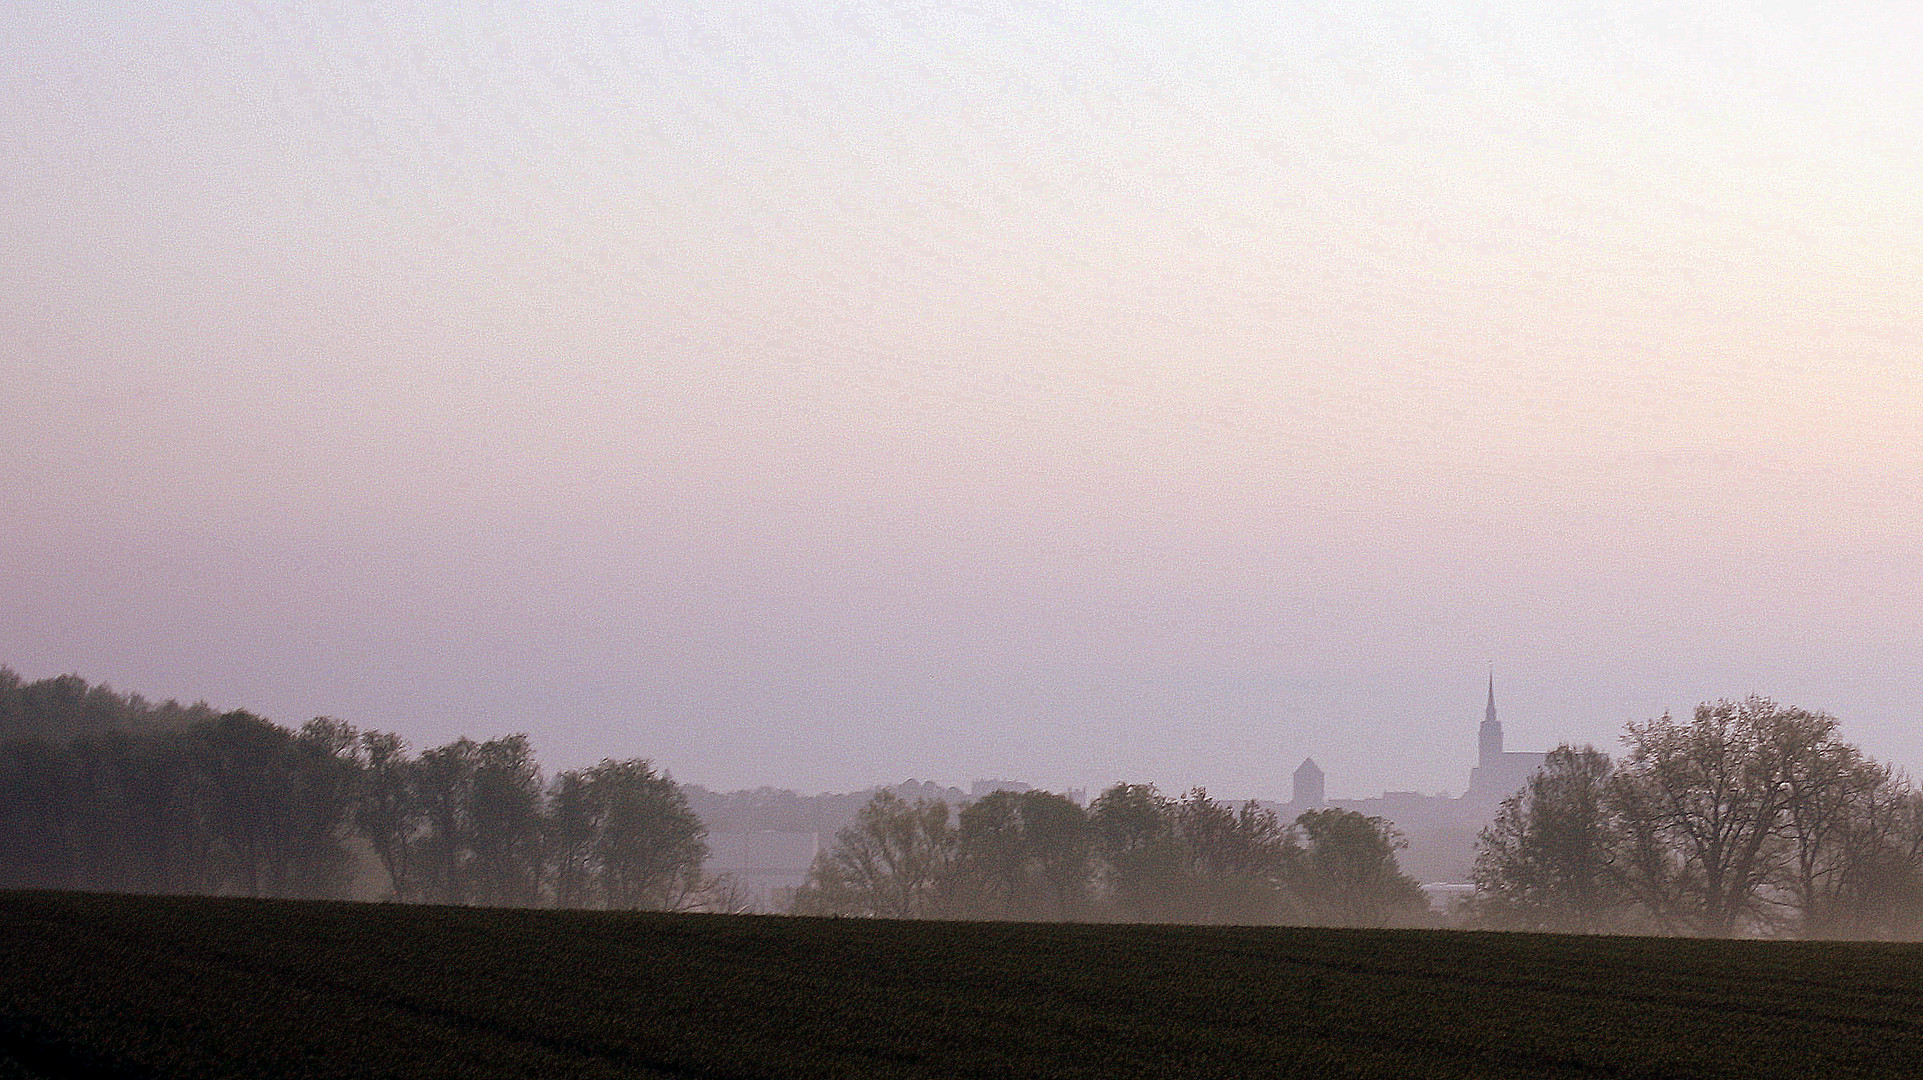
(174, 987)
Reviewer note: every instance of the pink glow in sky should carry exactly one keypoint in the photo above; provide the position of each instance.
(1162, 392)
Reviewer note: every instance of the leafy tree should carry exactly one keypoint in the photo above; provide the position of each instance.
(1140, 854)
(505, 823)
(115, 790)
(572, 823)
(311, 858)
(232, 804)
(1235, 862)
(443, 784)
(621, 835)
(893, 861)
(275, 802)
(1349, 874)
(165, 798)
(242, 752)
(38, 786)
(1193, 859)
(649, 846)
(479, 812)
(1023, 855)
(1548, 861)
(385, 808)
(65, 707)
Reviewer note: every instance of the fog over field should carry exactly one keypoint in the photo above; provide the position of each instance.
(816, 395)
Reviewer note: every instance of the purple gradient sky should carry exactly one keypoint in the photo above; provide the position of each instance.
(1162, 392)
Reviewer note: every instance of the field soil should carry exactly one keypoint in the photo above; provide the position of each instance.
(123, 986)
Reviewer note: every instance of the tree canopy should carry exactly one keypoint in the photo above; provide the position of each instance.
(1134, 854)
(1749, 817)
(116, 795)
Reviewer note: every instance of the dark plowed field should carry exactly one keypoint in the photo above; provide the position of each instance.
(177, 987)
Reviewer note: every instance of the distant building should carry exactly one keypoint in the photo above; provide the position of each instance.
(1309, 793)
(767, 839)
(767, 864)
(1440, 830)
(1498, 773)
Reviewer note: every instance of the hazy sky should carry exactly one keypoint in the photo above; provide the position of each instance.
(818, 394)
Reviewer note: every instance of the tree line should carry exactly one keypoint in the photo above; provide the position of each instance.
(103, 791)
(1747, 818)
(65, 706)
(1131, 854)
(174, 799)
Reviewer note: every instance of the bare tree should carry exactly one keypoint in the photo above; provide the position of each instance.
(724, 894)
(1749, 818)
(1706, 808)
(1830, 788)
(1858, 870)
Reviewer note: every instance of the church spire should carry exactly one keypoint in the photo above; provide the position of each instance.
(1489, 737)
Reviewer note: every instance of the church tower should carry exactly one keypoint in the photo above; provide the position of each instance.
(1489, 740)
(1498, 772)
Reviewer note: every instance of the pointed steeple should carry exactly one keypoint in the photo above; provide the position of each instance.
(1489, 738)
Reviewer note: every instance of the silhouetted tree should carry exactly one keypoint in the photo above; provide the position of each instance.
(1193, 859)
(648, 846)
(65, 707)
(311, 857)
(573, 822)
(1705, 805)
(443, 787)
(1348, 872)
(39, 786)
(1023, 855)
(1235, 862)
(276, 804)
(171, 799)
(1881, 891)
(893, 861)
(386, 809)
(1749, 817)
(1140, 856)
(505, 823)
(1548, 861)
